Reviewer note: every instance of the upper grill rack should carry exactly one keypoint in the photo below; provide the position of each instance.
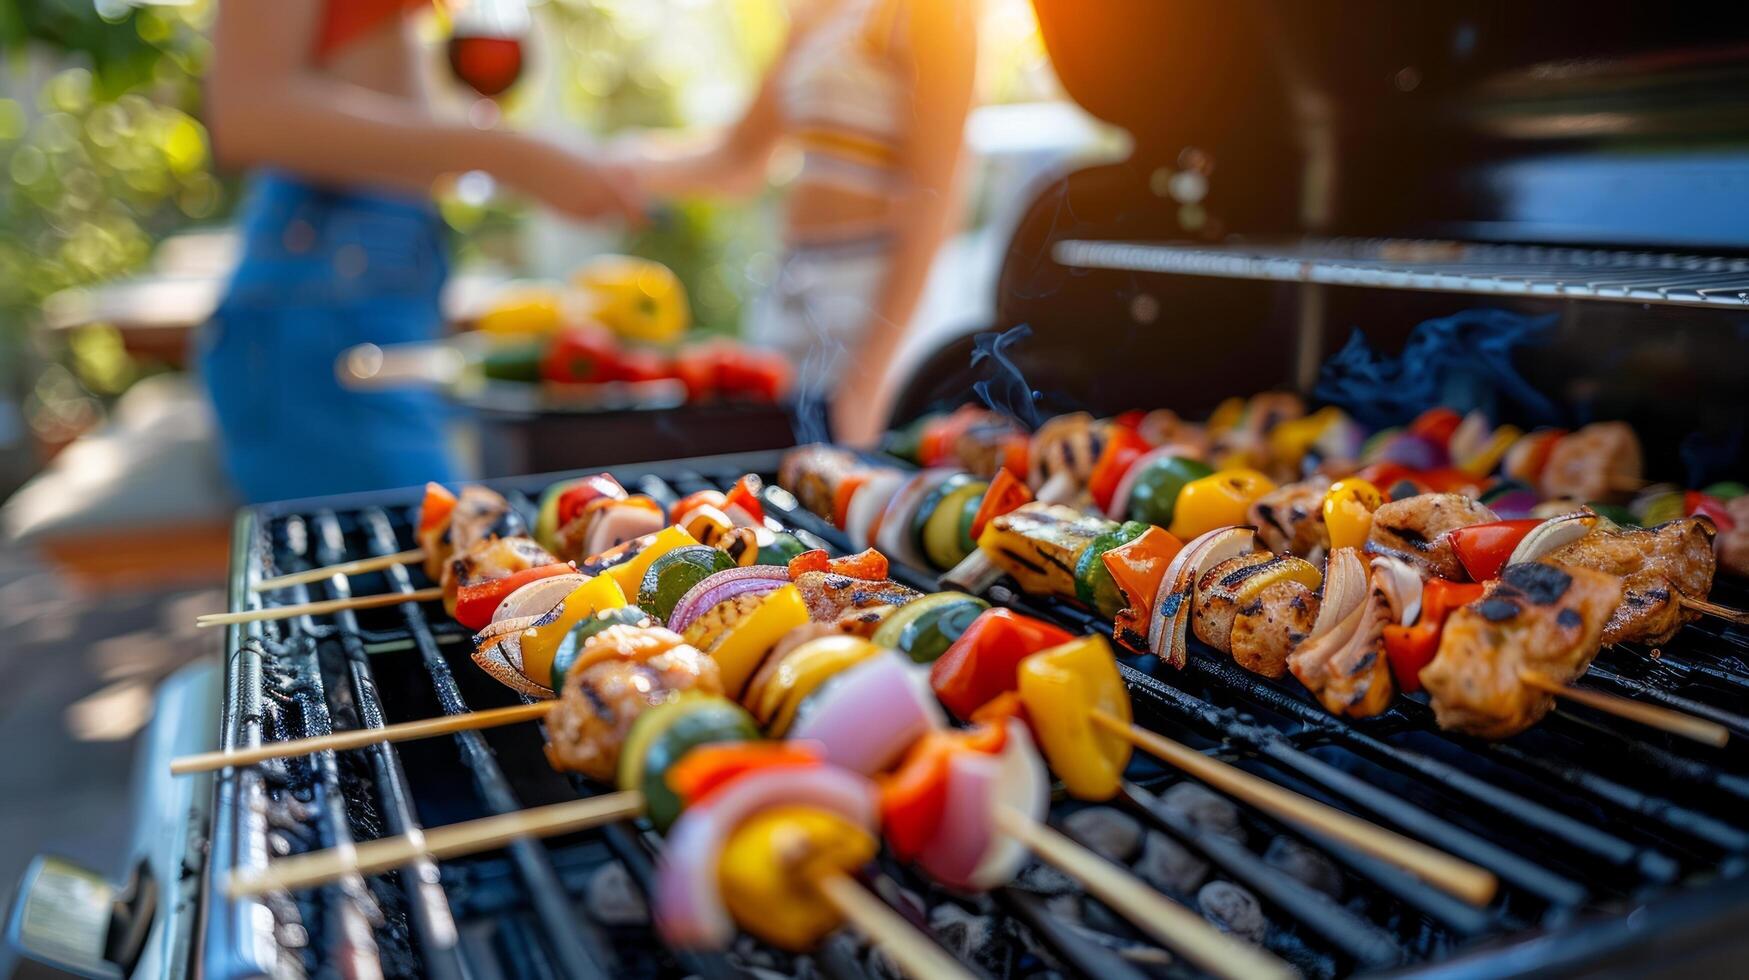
(1577, 818)
(1492, 270)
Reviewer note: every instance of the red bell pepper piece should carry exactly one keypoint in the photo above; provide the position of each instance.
(1484, 548)
(1131, 420)
(1007, 492)
(1394, 480)
(1446, 480)
(1436, 425)
(1122, 447)
(581, 354)
(639, 364)
(1440, 596)
(1408, 649)
(816, 560)
(710, 767)
(590, 488)
(841, 497)
(475, 604)
(985, 661)
(1014, 455)
(693, 501)
(914, 796)
(1694, 502)
(745, 495)
(438, 504)
(870, 565)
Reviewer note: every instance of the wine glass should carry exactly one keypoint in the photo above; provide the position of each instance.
(485, 44)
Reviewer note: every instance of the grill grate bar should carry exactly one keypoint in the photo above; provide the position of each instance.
(577, 955)
(427, 905)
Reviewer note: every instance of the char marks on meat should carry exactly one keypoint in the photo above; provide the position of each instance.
(1417, 530)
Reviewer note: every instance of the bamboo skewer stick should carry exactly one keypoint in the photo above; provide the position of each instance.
(1171, 924)
(1654, 716)
(1445, 872)
(453, 840)
(1711, 608)
(897, 938)
(358, 567)
(405, 731)
(318, 608)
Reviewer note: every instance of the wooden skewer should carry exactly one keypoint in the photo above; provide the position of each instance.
(1714, 609)
(915, 954)
(358, 567)
(405, 731)
(319, 608)
(1168, 922)
(1449, 874)
(454, 840)
(1655, 716)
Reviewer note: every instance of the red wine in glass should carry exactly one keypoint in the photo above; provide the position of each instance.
(489, 65)
(485, 44)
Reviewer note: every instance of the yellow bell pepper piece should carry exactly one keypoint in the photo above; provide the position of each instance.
(1490, 455)
(630, 574)
(1227, 415)
(1215, 501)
(541, 641)
(1289, 441)
(635, 298)
(805, 669)
(1061, 688)
(521, 311)
(769, 865)
(739, 653)
(1348, 507)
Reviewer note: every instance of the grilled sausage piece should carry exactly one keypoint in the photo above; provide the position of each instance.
(625, 671)
(1290, 518)
(1415, 529)
(1272, 626)
(1540, 617)
(1657, 566)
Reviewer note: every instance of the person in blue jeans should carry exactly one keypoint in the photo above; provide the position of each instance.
(341, 244)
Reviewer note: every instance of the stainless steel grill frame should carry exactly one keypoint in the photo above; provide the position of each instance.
(1602, 866)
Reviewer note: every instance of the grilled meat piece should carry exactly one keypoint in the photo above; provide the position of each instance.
(1415, 530)
(813, 473)
(1599, 462)
(489, 559)
(1346, 668)
(1272, 626)
(1163, 427)
(1066, 444)
(479, 513)
(1039, 544)
(624, 671)
(1657, 566)
(1290, 518)
(979, 449)
(831, 597)
(1540, 617)
(1733, 545)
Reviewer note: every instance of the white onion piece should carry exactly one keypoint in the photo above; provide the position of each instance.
(688, 906)
(1024, 785)
(1551, 534)
(894, 538)
(967, 830)
(620, 523)
(867, 503)
(538, 597)
(868, 715)
(1468, 439)
(1345, 588)
(1177, 593)
(1401, 585)
(1120, 501)
(498, 652)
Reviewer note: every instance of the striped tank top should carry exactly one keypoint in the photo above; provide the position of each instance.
(843, 98)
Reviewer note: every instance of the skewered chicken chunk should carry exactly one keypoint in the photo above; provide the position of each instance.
(1415, 530)
(1270, 627)
(479, 513)
(620, 673)
(489, 559)
(1539, 617)
(1065, 444)
(831, 597)
(1600, 461)
(1290, 518)
(1657, 566)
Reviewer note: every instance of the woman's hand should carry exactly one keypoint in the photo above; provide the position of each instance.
(577, 184)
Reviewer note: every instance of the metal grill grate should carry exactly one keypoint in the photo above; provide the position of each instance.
(1580, 818)
(1493, 270)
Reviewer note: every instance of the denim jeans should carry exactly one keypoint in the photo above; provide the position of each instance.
(322, 270)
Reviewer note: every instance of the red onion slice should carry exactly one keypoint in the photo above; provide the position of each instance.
(688, 906)
(1024, 785)
(726, 584)
(867, 716)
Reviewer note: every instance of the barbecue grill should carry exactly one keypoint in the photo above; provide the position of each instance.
(1298, 170)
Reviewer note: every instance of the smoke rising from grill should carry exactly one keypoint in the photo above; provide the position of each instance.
(1006, 389)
